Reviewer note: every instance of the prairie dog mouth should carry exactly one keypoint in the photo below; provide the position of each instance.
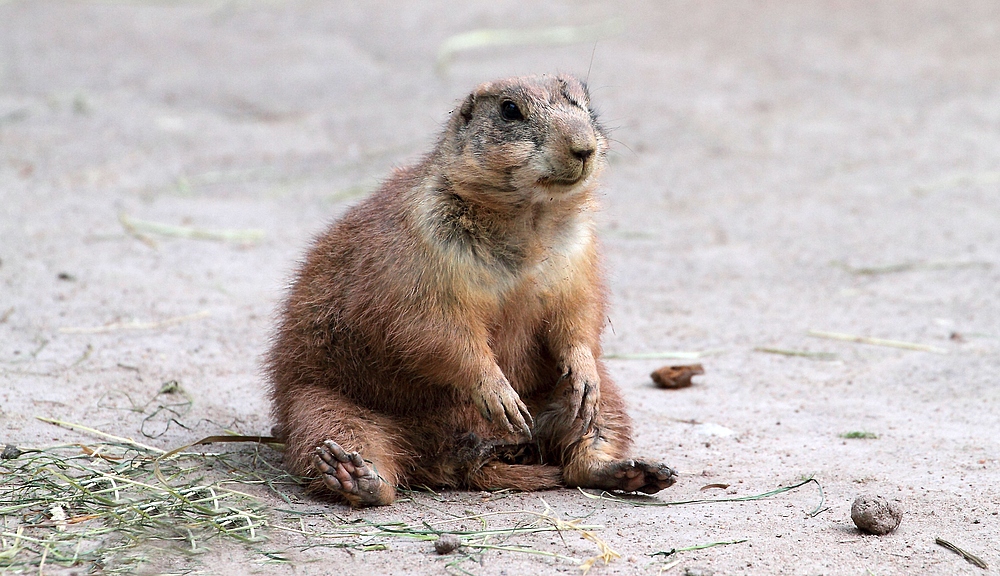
(568, 176)
(556, 181)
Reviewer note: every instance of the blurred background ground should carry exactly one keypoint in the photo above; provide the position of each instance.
(777, 168)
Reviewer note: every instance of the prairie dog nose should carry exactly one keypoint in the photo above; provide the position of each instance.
(583, 153)
(581, 142)
(577, 135)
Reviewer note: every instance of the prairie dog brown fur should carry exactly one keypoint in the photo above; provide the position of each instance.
(446, 331)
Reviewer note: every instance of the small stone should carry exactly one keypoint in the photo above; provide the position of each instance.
(875, 514)
(697, 571)
(10, 452)
(446, 544)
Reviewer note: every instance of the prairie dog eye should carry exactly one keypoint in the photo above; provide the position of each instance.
(510, 112)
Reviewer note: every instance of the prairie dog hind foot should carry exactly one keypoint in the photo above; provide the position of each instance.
(630, 476)
(348, 474)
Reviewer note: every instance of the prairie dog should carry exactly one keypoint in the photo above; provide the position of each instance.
(446, 330)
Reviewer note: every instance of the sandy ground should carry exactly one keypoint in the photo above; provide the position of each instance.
(778, 168)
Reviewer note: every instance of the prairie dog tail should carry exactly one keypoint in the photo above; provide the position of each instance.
(523, 477)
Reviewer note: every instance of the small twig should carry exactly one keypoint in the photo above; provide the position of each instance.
(969, 557)
(98, 454)
(876, 341)
(669, 566)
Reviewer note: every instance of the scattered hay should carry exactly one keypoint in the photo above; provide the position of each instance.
(101, 505)
(116, 505)
(364, 535)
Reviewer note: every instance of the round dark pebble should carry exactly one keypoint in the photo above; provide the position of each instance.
(446, 544)
(10, 452)
(875, 514)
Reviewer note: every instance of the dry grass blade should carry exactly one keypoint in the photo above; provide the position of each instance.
(673, 551)
(908, 266)
(876, 341)
(667, 355)
(140, 228)
(555, 35)
(859, 435)
(652, 502)
(973, 178)
(118, 326)
(605, 553)
(209, 440)
(115, 439)
(800, 353)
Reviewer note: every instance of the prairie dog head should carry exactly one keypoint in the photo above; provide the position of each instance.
(531, 138)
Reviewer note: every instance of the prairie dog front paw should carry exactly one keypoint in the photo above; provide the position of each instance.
(584, 386)
(499, 403)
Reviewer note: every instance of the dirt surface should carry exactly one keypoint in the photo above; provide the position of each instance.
(778, 168)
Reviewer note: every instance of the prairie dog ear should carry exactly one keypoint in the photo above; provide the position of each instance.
(467, 107)
(574, 90)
